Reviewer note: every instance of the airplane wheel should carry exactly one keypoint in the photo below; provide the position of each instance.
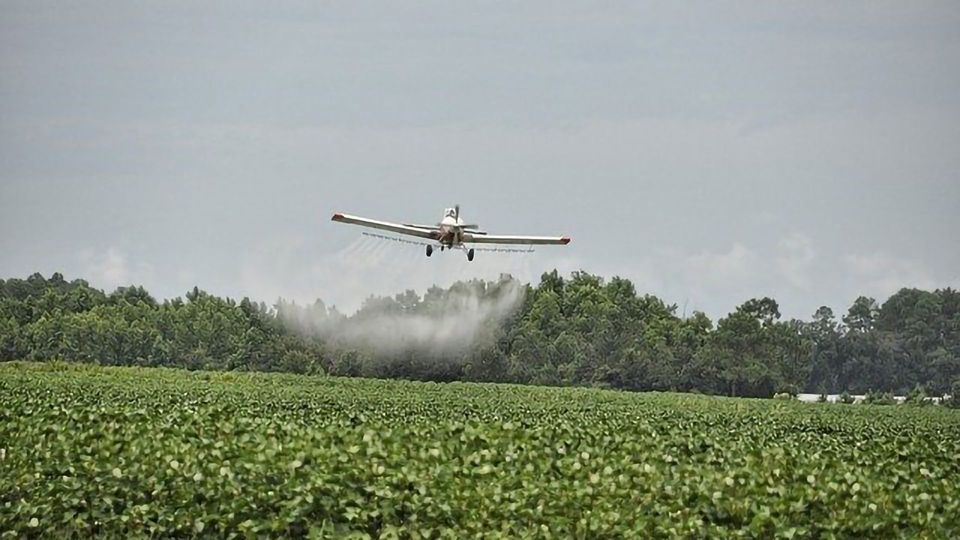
(470, 254)
(429, 251)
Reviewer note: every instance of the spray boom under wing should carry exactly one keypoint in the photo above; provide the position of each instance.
(497, 249)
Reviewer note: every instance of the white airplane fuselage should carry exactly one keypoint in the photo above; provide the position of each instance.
(451, 228)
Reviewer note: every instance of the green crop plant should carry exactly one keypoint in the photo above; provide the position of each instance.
(132, 452)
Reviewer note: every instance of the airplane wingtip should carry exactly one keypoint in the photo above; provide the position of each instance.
(337, 217)
(565, 240)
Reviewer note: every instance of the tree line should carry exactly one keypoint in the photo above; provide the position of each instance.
(575, 330)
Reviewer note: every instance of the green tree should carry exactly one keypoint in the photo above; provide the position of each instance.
(827, 362)
(735, 360)
(861, 315)
(9, 333)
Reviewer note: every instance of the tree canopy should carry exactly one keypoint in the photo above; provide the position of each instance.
(576, 330)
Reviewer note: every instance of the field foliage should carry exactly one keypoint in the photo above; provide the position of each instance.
(155, 452)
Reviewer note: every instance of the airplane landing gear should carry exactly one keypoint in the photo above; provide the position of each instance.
(470, 254)
(429, 250)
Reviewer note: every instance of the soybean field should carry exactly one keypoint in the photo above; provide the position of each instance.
(147, 452)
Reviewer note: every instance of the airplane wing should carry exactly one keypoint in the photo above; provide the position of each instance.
(502, 239)
(386, 226)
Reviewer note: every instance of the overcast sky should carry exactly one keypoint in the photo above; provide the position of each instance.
(711, 153)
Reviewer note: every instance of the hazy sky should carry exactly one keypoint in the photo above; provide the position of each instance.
(711, 153)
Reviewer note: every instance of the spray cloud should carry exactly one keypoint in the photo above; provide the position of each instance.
(443, 323)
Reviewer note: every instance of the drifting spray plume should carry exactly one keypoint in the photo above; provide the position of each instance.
(441, 323)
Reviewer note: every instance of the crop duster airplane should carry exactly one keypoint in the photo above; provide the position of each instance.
(450, 233)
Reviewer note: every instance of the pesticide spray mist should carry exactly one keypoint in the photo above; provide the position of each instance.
(443, 324)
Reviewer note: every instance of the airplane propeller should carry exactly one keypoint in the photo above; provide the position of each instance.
(456, 215)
